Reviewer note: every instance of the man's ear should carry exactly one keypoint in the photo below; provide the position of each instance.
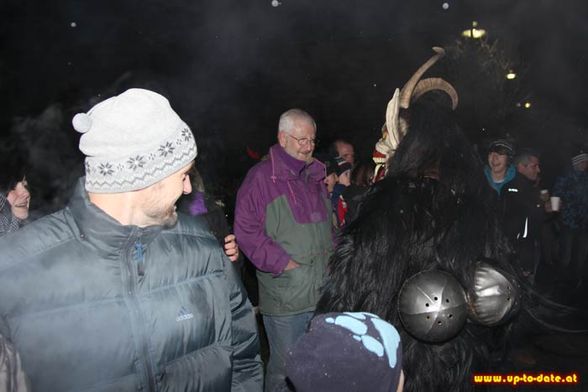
(282, 138)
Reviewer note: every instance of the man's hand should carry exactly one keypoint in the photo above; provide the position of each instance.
(231, 247)
(291, 265)
(19, 199)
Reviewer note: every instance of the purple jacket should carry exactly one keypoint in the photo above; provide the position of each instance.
(283, 213)
(279, 175)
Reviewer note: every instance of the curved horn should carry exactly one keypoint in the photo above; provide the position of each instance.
(408, 88)
(431, 84)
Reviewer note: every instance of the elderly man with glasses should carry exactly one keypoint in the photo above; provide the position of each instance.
(282, 221)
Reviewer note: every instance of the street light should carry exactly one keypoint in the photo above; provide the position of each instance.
(511, 75)
(474, 32)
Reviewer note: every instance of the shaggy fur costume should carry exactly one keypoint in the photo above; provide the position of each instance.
(431, 211)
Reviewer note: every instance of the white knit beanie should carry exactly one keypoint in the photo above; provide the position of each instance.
(132, 141)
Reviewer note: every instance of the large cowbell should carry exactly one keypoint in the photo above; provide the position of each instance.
(432, 306)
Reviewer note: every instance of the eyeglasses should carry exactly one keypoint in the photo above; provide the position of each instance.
(304, 141)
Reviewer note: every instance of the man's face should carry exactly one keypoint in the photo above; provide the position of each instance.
(345, 151)
(531, 169)
(582, 166)
(498, 162)
(300, 142)
(159, 205)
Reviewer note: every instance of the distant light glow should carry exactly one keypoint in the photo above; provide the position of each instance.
(445, 6)
(73, 24)
(276, 3)
(527, 105)
(511, 75)
(474, 32)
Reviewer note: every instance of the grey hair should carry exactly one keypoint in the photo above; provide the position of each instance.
(289, 118)
(524, 155)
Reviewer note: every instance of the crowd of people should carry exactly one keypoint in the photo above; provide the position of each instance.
(530, 211)
(119, 291)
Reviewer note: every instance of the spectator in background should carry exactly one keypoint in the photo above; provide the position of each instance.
(331, 175)
(283, 223)
(343, 171)
(362, 177)
(200, 203)
(14, 197)
(499, 170)
(524, 211)
(572, 189)
(342, 148)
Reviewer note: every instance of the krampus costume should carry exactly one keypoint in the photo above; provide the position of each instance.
(426, 252)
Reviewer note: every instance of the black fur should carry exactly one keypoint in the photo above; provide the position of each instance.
(432, 211)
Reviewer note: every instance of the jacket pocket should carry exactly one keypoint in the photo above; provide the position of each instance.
(207, 369)
(296, 288)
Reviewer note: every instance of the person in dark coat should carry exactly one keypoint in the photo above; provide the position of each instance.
(203, 205)
(362, 177)
(119, 292)
(524, 211)
(572, 189)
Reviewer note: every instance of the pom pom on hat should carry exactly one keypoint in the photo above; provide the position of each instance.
(82, 122)
(132, 141)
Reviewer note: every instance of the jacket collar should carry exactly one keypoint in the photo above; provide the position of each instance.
(287, 167)
(102, 231)
(510, 174)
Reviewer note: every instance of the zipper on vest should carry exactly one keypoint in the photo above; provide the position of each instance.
(139, 257)
(133, 271)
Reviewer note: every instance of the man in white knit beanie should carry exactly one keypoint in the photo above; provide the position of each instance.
(118, 292)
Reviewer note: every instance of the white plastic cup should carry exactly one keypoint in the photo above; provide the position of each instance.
(555, 202)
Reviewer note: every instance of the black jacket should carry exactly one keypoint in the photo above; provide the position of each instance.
(523, 210)
(92, 305)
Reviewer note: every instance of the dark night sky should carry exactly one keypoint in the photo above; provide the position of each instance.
(231, 67)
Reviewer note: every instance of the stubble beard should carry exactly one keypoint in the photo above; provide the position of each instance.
(167, 218)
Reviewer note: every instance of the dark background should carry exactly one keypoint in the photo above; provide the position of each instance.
(230, 68)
